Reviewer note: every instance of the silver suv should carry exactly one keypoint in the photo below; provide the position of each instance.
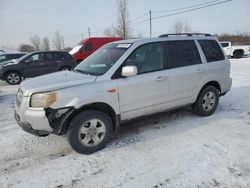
(121, 81)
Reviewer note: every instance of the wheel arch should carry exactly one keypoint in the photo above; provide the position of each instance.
(8, 71)
(239, 50)
(98, 106)
(212, 83)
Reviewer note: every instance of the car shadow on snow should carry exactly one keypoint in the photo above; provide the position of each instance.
(180, 120)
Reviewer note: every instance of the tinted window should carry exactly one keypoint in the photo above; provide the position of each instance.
(147, 58)
(49, 56)
(35, 58)
(224, 44)
(59, 55)
(182, 53)
(212, 50)
(88, 47)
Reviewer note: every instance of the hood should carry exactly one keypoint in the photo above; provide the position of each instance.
(9, 62)
(55, 81)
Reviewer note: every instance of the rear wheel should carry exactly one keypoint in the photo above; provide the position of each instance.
(89, 131)
(238, 54)
(207, 101)
(13, 78)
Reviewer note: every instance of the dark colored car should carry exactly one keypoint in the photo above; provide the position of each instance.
(35, 64)
(10, 56)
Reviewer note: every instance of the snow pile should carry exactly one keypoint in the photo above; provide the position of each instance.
(172, 149)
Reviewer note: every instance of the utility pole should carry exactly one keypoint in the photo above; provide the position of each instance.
(150, 22)
(89, 31)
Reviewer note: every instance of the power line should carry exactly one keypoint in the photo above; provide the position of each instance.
(188, 7)
(137, 18)
(190, 10)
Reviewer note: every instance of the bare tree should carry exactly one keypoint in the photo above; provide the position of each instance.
(240, 38)
(122, 28)
(58, 41)
(26, 48)
(110, 31)
(45, 43)
(180, 26)
(36, 42)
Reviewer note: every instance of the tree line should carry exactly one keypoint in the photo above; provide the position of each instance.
(37, 43)
(122, 28)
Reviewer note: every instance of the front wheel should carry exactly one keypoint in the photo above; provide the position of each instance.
(13, 78)
(207, 101)
(89, 131)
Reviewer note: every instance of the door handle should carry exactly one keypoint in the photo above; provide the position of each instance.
(200, 71)
(161, 78)
(59, 61)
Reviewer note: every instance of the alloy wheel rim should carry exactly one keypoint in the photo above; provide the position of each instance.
(92, 133)
(208, 101)
(13, 78)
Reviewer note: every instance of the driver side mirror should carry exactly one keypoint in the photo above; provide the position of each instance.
(128, 71)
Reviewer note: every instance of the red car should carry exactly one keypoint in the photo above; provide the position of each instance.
(88, 46)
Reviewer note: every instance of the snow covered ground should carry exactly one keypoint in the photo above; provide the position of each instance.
(172, 149)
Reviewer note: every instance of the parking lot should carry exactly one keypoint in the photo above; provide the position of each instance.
(170, 149)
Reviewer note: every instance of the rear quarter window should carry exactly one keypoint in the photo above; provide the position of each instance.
(212, 50)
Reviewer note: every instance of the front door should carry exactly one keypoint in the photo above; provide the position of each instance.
(34, 65)
(147, 92)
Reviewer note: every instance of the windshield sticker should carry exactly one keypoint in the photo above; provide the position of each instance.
(123, 45)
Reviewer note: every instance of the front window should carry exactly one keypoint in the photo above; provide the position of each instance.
(102, 60)
(147, 58)
(3, 58)
(75, 49)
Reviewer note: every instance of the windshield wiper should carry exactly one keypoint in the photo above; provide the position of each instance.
(85, 72)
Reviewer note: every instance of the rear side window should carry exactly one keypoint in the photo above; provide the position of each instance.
(212, 50)
(224, 44)
(49, 56)
(182, 53)
(59, 55)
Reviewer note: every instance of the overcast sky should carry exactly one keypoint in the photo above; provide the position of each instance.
(20, 19)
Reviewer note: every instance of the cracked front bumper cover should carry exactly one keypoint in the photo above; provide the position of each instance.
(27, 128)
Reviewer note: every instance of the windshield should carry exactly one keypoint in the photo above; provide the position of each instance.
(102, 60)
(75, 49)
(21, 58)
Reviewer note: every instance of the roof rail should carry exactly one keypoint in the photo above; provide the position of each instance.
(185, 34)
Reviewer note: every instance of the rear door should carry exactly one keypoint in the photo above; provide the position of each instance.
(185, 69)
(51, 62)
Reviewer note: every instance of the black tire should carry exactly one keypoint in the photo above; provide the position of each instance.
(202, 107)
(81, 121)
(238, 54)
(13, 78)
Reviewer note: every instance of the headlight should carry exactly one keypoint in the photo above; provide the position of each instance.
(43, 100)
